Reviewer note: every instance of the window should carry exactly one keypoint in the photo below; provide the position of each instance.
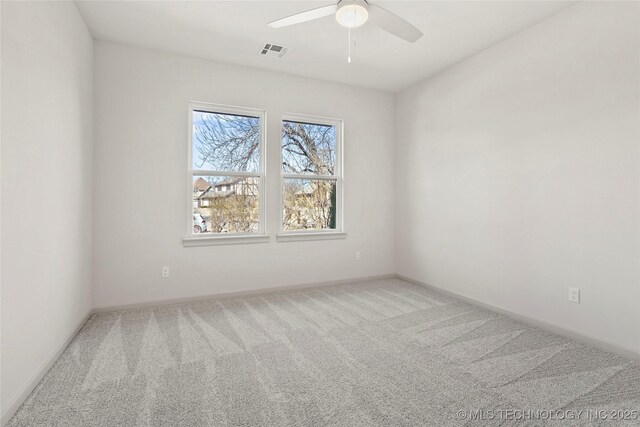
(311, 175)
(226, 171)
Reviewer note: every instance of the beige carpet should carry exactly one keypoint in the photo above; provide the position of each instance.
(379, 353)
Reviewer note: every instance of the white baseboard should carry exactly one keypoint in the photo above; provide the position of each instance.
(107, 309)
(541, 324)
(26, 390)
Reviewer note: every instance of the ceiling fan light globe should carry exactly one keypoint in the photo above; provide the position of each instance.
(352, 15)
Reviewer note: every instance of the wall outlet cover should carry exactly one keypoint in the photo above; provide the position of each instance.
(574, 295)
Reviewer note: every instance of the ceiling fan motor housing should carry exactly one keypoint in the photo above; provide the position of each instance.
(352, 13)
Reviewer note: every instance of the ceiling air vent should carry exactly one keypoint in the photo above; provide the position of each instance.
(271, 49)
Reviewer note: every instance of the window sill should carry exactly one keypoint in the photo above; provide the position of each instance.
(224, 240)
(317, 235)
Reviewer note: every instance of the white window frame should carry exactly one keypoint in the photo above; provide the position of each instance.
(227, 238)
(338, 177)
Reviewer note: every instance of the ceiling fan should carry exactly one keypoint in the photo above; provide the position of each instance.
(354, 13)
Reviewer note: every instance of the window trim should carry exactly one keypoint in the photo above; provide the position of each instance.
(338, 176)
(261, 235)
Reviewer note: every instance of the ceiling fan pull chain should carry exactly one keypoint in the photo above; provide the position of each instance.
(349, 41)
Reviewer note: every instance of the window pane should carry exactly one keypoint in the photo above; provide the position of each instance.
(309, 204)
(308, 148)
(225, 142)
(225, 204)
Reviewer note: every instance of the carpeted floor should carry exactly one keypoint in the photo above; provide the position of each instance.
(376, 353)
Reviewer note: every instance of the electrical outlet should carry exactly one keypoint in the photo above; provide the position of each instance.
(357, 257)
(574, 295)
(165, 271)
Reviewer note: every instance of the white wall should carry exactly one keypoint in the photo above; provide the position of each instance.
(46, 186)
(518, 172)
(141, 131)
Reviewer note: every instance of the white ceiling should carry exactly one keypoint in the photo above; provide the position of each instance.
(235, 32)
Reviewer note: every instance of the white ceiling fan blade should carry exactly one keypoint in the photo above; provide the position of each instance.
(309, 15)
(392, 23)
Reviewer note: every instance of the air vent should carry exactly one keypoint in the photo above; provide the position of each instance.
(271, 49)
